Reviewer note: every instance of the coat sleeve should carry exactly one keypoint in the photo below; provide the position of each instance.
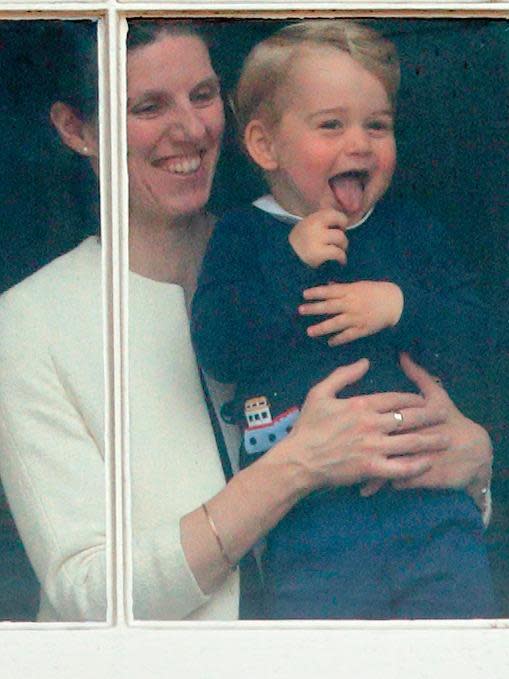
(52, 470)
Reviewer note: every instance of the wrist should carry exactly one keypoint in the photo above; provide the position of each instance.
(296, 479)
(295, 250)
(479, 487)
(300, 252)
(399, 304)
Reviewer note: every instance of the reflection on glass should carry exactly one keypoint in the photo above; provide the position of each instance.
(245, 326)
(51, 359)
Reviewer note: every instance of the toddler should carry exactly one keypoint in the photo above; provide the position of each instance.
(316, 105)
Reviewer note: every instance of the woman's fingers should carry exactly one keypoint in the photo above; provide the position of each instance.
(371, 487)
(389, 401)
(407, 467)
(408, 419)
(339, 379)
(412, 443)
(427, 383)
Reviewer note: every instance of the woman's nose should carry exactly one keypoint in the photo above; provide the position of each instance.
(186, 124)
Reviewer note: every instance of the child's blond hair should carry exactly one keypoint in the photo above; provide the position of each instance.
(265, 70)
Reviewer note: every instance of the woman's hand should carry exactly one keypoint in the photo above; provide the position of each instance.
(335, 442)
(355, 309)
(340, 442)
(466, 461)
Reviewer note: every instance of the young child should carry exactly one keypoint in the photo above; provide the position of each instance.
(315, 104)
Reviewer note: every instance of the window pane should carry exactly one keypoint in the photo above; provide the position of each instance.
(51, 346)
(452, 160)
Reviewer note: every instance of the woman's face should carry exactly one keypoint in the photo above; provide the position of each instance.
(175, 120)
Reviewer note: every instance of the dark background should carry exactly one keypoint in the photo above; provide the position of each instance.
(453, 157)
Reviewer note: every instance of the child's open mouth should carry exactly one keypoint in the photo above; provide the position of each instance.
(348, 189)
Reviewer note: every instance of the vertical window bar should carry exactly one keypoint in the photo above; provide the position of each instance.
(113, 176)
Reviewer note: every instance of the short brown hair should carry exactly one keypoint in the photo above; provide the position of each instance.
(266, 67)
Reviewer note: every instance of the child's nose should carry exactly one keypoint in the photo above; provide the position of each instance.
(357, 140)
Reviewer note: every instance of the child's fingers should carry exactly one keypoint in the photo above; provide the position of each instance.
(331, 291)
(337, 323)
(336, 237)
(347, 335)
(324, 307)
(332, 218)
(334, 252)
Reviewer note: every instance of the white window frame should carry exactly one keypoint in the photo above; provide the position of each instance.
(123, 648)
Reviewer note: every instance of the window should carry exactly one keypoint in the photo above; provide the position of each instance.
(161, 647)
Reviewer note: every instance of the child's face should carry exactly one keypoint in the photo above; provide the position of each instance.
(334, 146)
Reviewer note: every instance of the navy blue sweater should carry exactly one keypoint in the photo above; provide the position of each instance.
(246, 328)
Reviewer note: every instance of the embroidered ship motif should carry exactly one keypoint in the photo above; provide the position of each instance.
(263, 431)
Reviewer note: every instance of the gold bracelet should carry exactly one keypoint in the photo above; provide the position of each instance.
(218, 539)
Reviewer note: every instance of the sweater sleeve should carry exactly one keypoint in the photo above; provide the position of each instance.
(52, 470)
(442, 307)
(248, 292)
(445, 324)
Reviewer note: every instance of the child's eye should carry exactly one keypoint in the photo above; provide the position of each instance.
(380, 125)
(332, 124)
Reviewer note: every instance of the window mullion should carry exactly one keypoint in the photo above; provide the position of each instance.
(115, 262)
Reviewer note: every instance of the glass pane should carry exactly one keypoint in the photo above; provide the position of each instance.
(322, 140)
(51, 347)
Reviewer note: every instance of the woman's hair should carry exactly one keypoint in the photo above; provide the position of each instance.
(77, 71)
(267, 66)
(74, 65)
(146, 31)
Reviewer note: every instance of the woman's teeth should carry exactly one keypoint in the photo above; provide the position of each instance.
(183, 166)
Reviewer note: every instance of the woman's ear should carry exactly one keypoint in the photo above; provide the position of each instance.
(260, 145)
(77, 134)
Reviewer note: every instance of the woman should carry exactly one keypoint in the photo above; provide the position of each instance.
(189, 529)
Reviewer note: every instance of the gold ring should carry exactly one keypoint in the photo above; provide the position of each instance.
(398, 416)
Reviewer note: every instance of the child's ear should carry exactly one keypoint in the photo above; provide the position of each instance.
(259, 144)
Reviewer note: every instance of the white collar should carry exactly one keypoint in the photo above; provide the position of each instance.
(269, 204)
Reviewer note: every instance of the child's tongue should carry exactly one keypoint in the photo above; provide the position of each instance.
(348, 192)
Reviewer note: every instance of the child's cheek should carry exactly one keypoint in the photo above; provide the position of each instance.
(390, 159)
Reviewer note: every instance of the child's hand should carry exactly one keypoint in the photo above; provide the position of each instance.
(356, 309)
(320, 237)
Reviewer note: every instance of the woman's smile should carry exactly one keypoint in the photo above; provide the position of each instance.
(175, 124)
(185, 165)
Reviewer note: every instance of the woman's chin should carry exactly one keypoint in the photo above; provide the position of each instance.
(188, 205)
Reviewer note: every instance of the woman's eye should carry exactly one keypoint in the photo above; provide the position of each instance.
(333, 124)
(145, 108)
(204, 95)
